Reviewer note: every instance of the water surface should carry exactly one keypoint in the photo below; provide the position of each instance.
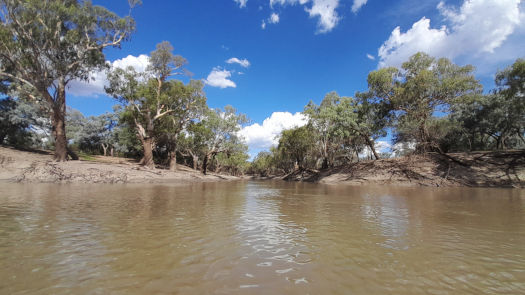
(260, 238)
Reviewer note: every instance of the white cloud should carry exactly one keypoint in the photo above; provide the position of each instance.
(325, 10)
(242, 3)
(140, 63)
(357, 5)
(220, 78)
(264, 136)
(274, 18)
(475, 30)
(370, 57)
(95, 86)
(380, 146)
(242, 62)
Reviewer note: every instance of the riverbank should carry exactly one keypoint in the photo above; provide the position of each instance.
(38, 167)
(478, 169)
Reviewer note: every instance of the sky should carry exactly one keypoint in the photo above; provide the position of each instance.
(269, 58)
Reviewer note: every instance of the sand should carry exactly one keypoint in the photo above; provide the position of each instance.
(478, 169)
(39, 167)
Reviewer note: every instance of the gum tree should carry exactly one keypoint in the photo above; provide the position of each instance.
(46, 44)
(148, 97)
(423, 86)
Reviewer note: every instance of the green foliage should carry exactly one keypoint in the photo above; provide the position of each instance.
(420, 88)
(22, 124)
(46, 44)
(297, 143)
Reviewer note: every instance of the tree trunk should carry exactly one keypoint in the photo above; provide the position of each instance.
(325, 163)
(205, 164)
(111, 151)
(173, 160)
(147, 160)
(59, 130)
(195, 159)
(105, 148)
(370, 144)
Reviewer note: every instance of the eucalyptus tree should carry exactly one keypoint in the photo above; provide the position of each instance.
(20, 121)
(323, 120)
(149, 96)
(234, 160)
(189, 104)
(420, 88)
(296, 144)
(220, 132)
(46, 44)
(511, 97)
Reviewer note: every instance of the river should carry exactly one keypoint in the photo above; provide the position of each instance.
(251, 237)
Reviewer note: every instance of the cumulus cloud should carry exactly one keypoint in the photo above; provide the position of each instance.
(95, 85)
(264, 136)
(220, 78)
(242, 3)
(242, 62)
(357, 5)
(370, 57)
(475, 29)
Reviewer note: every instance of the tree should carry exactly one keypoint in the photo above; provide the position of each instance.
(296, 144)
(221, 134)
(92, 133)
(420, 88)
(511, 97)
(148, 97)
(19, 120)
(323, 120)
(46, 44)
(495, 120)
(189, 105)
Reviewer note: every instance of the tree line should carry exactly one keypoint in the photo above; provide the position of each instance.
(45, 45)
(428, 104)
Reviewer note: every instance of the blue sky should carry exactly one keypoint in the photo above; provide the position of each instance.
(307, 48)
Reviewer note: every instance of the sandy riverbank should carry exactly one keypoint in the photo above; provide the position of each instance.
(38, 166)
(479, 169)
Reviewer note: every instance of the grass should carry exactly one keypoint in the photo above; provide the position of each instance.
(86, 157)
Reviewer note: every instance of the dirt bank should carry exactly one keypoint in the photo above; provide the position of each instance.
(38, 166)
(482, 169)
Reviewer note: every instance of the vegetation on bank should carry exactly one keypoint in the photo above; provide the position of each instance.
(428, 105)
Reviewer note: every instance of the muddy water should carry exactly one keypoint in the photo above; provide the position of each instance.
(260, 238)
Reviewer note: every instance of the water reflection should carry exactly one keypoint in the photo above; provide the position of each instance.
(260, 238)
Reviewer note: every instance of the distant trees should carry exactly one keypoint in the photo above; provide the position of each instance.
(432, 105)
(219, 133)
(46, 44)
(495, 120)
(20, 121)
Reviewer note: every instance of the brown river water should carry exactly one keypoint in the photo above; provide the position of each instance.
(260, 238)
